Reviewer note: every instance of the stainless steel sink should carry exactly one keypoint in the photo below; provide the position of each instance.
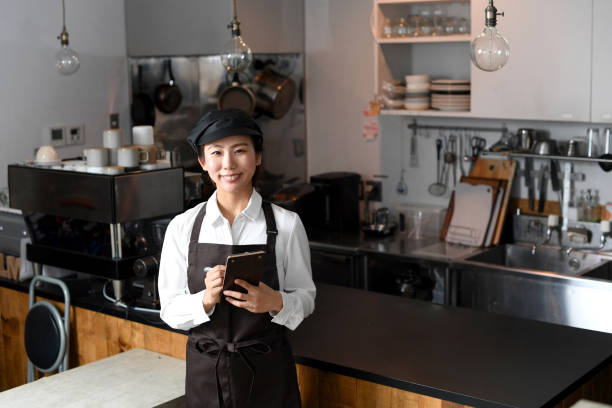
(545, 259)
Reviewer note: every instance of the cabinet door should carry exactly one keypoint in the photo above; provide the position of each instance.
(548, 74)
(601, 109)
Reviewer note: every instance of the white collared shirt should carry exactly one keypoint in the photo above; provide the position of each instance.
(183, 310)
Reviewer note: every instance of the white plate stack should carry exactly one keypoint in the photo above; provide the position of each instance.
(417, 92)
(451, 95)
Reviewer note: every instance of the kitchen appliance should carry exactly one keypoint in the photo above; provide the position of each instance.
(102, 225)
(336, 207)
(298, 198)
(382, 224)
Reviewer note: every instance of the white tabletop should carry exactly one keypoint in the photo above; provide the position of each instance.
(135, 378)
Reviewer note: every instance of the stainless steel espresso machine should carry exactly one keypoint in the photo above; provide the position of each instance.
(110, 226)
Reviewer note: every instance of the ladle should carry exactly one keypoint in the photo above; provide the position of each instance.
(437, 188)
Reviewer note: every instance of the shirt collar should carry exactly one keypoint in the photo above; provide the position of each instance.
(251, 211)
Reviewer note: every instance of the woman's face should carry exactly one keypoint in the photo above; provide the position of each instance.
(231, 162)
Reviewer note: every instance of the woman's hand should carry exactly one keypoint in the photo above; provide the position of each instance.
(214, 285)
(259, 299)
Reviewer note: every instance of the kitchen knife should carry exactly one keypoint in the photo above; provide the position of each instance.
(529, 182)
(543, 188)
(554, 179)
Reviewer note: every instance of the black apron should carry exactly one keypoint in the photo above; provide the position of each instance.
(238, 359)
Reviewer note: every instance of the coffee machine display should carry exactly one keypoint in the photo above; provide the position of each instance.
(110, 226)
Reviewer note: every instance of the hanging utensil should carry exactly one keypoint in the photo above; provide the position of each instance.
(414, 161)
(168, 96)
(554, 179)
(543, 187)
(437, 188)
(402, 188)
(143, 107)
(529, 182)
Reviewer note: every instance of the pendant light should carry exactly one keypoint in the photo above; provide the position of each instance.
(236, 55)
(490, 50)
(66, 60)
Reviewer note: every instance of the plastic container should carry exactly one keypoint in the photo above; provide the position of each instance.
(420, 221)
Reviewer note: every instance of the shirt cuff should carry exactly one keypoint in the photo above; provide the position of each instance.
(284, 315)
(199, 314)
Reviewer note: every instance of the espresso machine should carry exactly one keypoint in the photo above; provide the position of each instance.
(108, 226)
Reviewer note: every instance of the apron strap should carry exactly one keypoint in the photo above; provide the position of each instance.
(271, 230)
(195, 235)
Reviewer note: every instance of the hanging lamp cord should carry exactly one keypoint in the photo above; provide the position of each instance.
(63, 16)
(235, 10)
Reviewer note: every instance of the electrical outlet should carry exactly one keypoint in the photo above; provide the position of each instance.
(114, 120)
(75, 135)
(54, 136)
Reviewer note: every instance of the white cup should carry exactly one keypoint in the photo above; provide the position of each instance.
(96, 156)
(131, 156)
(142, 135)
(112, 138)
(46, 155)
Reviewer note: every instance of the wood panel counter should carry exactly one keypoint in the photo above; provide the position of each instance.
(362, 349)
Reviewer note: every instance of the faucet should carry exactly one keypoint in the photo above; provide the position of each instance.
(604, 228)
(552, 225)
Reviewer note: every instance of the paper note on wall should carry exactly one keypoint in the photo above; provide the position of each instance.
(370, 126)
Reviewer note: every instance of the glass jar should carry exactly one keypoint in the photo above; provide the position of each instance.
(426, 23)
(387, 29)
(401, 29)
(462, 26)
(449, 25)
(415, 22)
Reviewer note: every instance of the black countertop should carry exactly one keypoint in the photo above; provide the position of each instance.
(460, 355)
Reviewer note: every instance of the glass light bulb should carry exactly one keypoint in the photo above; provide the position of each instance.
(67, 61)
(490, 50)
(236, 55)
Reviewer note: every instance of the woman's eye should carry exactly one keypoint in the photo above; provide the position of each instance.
(240, 150)
(215, 153)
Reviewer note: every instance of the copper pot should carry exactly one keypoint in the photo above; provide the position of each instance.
(274, 93)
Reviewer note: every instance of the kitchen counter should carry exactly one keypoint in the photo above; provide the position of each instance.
(431, 249)
(469, 357)
(459, 355)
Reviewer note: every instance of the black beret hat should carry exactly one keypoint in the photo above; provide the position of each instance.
(217, 124)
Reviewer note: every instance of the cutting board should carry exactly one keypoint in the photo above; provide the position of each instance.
(503, 169)
(472, 211)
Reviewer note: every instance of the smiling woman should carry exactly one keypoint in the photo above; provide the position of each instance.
(237, 352)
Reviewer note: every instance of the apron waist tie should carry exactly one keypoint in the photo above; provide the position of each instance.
(215, 349)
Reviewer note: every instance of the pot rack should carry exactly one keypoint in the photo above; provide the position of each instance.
(414, 126)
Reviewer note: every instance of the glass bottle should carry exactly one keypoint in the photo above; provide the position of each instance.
(595, 207)
(588, 198)
(401, 30)
(580, 206)
(387, 29)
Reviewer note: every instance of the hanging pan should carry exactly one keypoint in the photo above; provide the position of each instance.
(237, 96)
(143, 108)
(167, 95)
(274, 92)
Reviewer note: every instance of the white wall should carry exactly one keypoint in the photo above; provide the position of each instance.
(340, 78)
(35, 95)
(339, 84)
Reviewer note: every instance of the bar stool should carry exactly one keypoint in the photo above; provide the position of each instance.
(47, 334)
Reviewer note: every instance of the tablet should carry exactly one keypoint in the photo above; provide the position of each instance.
(248, 266)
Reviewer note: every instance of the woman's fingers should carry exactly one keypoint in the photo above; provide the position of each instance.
(235, 295)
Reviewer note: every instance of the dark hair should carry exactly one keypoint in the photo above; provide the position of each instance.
(257, 145)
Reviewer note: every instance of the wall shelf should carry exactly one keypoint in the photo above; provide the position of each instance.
(429, 112)
(426, 39)
(420, 1)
